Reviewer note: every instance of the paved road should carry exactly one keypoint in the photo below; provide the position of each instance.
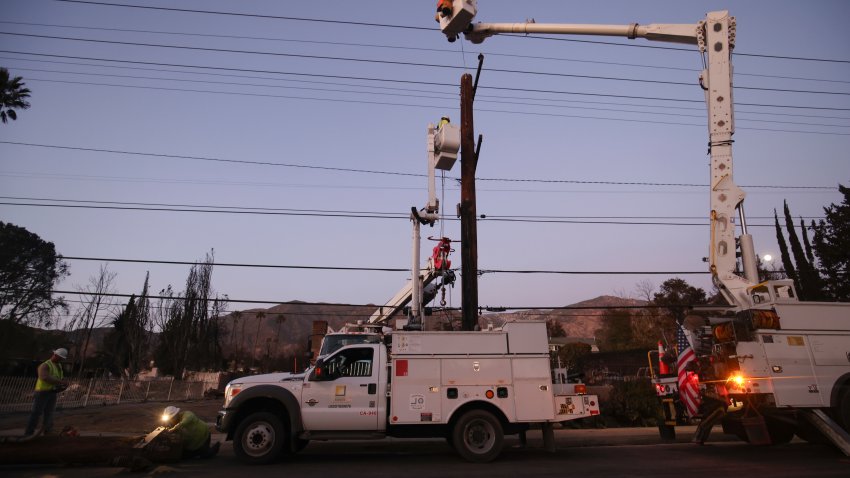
(580, 453)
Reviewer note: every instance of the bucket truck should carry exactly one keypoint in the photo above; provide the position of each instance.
(772, 365)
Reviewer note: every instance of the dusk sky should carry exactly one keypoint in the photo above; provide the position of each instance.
(300, 141)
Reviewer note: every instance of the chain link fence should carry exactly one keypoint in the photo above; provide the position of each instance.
(16, 393)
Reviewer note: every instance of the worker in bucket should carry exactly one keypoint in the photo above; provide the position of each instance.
(50, 382)
(194, 432)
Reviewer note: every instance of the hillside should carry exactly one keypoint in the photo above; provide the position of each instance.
(262, 327)
(582, 322)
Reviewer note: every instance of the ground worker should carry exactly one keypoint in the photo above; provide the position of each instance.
(194, 432)
(50, 382)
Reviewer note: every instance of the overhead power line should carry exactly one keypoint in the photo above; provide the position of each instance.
(391, 214)
(396, 173)
(388, 80)
(358, 216)
(406, 27)
(249, 15)
(425, 94)
(432, 106)
(381, 269)
(738, 71)
(656, 47)
(406, 63)
(327, 304)
(384, 88)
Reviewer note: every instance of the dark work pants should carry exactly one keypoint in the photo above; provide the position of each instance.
(43, 404)
(200, 452)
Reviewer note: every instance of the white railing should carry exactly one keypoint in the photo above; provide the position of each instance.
(16, 393)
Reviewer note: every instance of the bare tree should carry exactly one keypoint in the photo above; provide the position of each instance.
(190, 323)
(95, 307)
(127, 345)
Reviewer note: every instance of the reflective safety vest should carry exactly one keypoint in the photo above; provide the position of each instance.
(55, 372)
(192, 429)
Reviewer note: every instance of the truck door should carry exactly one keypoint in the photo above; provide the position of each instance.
(344, 396)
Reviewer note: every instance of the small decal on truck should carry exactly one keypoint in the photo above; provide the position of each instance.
(417, 402)
(340, 390)
(795, 341)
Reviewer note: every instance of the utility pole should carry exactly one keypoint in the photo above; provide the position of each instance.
(467, 211)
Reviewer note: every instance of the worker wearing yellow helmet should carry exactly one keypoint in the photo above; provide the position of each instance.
(194, 432)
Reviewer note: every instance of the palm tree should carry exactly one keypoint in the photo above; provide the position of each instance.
(13, 96)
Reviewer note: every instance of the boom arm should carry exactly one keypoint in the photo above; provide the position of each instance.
(715, 36)
(405, 294)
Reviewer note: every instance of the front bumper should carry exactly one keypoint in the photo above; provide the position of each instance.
(223, 422)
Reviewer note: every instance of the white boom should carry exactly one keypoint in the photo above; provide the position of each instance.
(715, 37)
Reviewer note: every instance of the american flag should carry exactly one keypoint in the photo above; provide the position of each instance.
(688, 381)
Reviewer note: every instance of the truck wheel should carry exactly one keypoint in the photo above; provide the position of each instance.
(259, 439)
(667, 432)
(780, 433)
(477, 436)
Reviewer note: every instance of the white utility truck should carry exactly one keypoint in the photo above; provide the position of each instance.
(772, 365)
(471, 388)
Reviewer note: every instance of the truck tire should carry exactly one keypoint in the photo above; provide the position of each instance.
(780, 432)
(259, 438)
(477, 436)
(667, 432)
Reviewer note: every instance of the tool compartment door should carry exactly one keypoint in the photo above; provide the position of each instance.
(533, 395)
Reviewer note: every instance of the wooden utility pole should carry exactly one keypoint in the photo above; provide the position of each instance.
(468, 225)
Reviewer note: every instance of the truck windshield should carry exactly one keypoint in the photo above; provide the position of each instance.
(332, 343)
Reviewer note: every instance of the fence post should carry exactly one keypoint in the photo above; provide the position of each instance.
(120, 391)
(88, 392)
(147, 390)
(169, 389)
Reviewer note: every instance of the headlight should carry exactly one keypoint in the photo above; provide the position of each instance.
(231, 390)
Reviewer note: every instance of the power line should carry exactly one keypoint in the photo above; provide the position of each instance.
(382, 269)
(410, 27)
(406, 63)
(385, 103)
(655, 47)
(393, 214)
(360, 216)
(326, 304)
(349, 77)
(250, 15)
(396, 173)
(365, 60)
(430, 92)
(430, 95)
(408, 48)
